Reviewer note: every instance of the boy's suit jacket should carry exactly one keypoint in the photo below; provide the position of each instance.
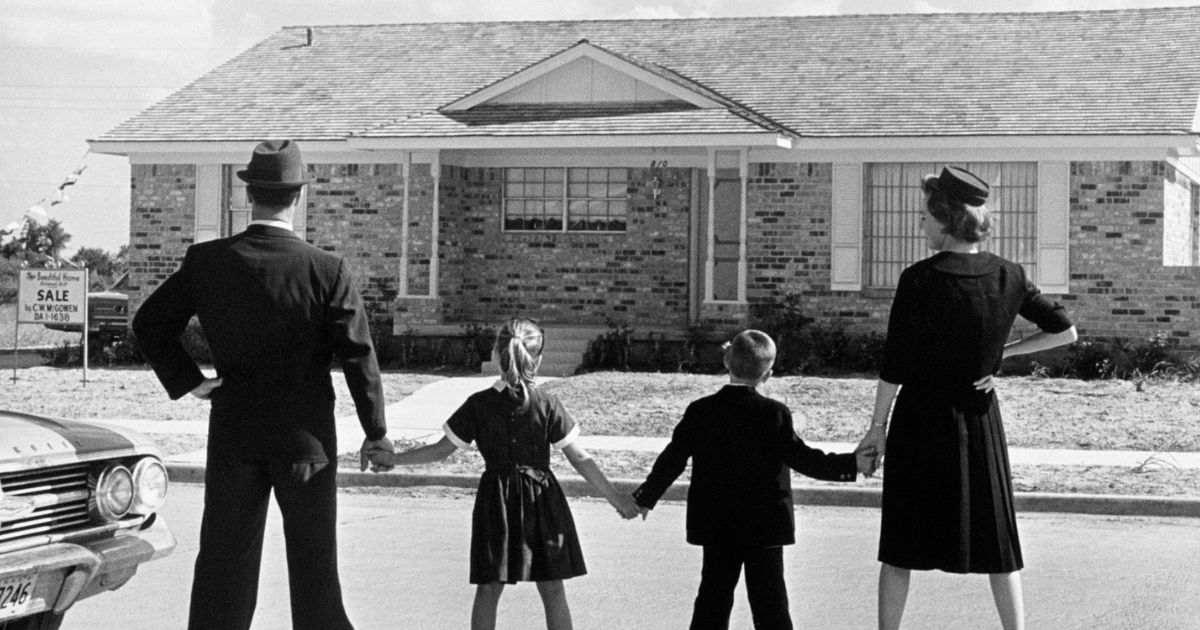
(741, 445)
(275, 311)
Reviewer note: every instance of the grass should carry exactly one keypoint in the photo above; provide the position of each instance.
(29, 335)
(1161, 415)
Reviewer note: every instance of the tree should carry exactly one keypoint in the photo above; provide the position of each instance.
(103, 267)
(34, 241)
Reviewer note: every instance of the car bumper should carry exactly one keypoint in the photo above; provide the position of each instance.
(66, 572)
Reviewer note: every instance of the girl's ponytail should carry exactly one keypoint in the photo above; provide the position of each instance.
(518, 350)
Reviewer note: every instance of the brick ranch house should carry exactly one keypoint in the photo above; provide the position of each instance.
(671, 173)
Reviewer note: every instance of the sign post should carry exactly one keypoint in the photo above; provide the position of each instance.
(53, 296)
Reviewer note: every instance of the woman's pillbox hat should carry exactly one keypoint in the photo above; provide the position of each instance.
(958, 183)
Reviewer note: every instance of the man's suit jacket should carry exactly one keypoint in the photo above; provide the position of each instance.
(275, 311)
(741, 444)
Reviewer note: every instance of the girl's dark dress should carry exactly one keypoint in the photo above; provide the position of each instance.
(947, 487)
(522, 530)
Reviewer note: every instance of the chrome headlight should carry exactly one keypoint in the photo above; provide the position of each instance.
(149, 485)
(111, 493)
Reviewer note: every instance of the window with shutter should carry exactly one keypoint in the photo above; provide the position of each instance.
(892, 201)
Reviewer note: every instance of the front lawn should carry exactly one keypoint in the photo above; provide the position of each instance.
(1038, 412)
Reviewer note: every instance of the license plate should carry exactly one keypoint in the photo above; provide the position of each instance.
(16, 595)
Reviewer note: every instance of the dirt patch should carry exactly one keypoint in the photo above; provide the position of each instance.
(134, 392)
(1164, 415)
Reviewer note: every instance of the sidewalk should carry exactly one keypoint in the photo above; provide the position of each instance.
(420, 417)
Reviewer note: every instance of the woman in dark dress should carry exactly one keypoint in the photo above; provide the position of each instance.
(947, 488)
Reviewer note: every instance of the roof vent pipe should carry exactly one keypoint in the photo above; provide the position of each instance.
(308, 42)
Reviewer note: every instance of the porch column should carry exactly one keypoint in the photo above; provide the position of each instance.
(435, 170)
(406, 173)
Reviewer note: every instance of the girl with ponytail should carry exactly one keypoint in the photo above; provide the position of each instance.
(522, 529)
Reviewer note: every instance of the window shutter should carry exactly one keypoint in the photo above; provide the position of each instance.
(845, 265)
(1054, 227)
(208, 202)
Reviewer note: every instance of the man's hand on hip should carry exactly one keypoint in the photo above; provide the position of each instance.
(205, 389)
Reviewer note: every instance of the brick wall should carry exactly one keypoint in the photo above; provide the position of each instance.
(1119, 285)
(790, 207)
(1118, 216)
(640, 276)
(162, 221)
(355, 210)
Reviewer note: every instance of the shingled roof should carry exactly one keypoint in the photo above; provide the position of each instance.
(1128, 72)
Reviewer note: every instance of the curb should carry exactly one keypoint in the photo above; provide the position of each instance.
(1099, 504)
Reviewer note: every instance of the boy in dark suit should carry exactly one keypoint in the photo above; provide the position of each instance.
(739, 508)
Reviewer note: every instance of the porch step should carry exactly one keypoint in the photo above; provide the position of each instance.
(565, 347)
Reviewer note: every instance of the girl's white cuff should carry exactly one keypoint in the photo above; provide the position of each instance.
(568, 439)
(454, 438)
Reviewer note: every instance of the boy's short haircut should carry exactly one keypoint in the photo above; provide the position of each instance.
(750, 355)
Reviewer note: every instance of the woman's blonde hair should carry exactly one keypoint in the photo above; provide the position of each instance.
(963, 222)
(518, 350)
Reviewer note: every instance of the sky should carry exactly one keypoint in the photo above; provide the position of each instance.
(71, 70)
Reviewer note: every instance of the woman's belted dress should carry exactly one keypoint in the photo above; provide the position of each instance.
(522, 530)
(947, 485)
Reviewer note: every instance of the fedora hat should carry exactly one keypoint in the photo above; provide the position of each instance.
(958, 183)
(275, 164)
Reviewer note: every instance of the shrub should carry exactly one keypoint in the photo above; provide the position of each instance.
(103, 349)
(612, 349)
(783, 319)
(1090, 360)
(9, 269)
(478, 341)
(1152, 356)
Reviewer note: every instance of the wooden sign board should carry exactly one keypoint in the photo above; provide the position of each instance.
(52, 296)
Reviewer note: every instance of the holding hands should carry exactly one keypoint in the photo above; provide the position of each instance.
(626, 506)
(376, 453)
(867, 457)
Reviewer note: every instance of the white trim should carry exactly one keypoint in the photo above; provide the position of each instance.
(709, 247)
(731, 140)
(235, 153)
(209, 210)
(569, 438)
(846, 228)
(435, 171)
(560, 59)
(452, 437)
(743, 229)
(689, 157)
(1185, 169)
(406, 175)
(765, 147)
(1024, 142)
(1054, 227)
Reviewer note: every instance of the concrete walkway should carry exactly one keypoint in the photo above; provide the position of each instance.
(420, 417)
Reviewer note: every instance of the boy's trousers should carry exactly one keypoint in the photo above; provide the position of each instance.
(765, 587)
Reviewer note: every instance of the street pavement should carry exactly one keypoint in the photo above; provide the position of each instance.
(404, 566)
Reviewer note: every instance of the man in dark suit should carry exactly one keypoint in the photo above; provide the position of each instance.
(275, 312)
(739, 505)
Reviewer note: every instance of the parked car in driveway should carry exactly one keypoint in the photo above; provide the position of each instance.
(77, 514)
(108, 313)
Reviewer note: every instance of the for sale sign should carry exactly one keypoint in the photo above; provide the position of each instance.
(52, 296)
